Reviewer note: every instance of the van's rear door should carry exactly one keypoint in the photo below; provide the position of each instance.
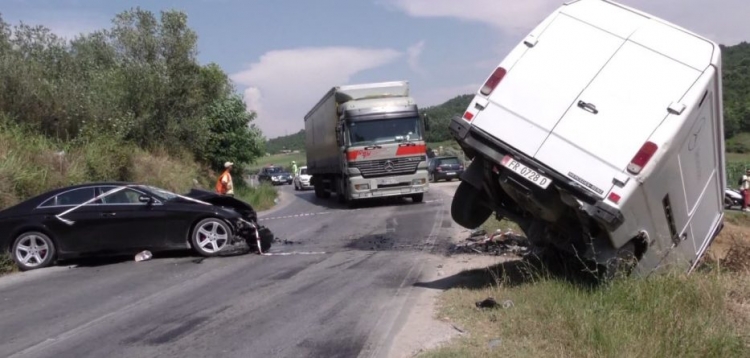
(615, 115)
(540, 86)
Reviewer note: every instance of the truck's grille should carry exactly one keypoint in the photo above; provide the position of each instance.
(387, 167)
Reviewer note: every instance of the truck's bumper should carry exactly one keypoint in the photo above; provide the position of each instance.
(401, 185)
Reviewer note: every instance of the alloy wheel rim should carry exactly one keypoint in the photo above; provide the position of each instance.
(212, 237)
(32, 250)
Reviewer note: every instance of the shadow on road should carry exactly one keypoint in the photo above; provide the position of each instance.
(112, 259)
(518, 272)
(332, 202)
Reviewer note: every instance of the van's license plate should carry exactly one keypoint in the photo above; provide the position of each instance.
(526, 172)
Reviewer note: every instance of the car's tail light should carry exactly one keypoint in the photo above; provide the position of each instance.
(642, 157)
(613, 197)
(493, 81)
(468, 116)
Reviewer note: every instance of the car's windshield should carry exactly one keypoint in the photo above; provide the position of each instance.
(385, 131)
(303, 171)
(449, 161)
(161, 193)
(273, 170)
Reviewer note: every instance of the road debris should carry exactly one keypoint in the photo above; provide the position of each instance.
(490, 302)
(499, 243)
(495, 343)
(143, 256)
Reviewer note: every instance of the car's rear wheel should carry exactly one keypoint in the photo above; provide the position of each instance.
(33, 250)
(210, 236)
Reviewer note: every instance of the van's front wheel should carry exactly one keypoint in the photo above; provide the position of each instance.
(467, 209)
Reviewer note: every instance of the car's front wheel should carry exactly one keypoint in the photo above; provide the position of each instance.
(210, 236)
(33, 250)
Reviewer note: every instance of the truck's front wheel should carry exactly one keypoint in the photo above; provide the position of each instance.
(467, 209)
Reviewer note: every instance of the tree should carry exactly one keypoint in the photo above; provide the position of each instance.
(232, 135)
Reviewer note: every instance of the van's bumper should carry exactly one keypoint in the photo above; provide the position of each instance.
(495, 150)
(399, 185)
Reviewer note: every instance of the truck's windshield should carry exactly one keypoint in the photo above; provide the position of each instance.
(385, 131)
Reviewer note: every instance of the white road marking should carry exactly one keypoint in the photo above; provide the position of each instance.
(303, 214)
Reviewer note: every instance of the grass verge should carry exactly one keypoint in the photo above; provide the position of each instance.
(261, 198)
(705, 314)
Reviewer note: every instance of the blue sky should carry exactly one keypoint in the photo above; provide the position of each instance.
(284, 54)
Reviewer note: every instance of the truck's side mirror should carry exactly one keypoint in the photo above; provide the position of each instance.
(339, 136)
(426, 120)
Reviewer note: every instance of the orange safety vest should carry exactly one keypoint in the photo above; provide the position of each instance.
(221, 188)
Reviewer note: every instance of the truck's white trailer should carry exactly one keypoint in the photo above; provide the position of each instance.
(366, 140)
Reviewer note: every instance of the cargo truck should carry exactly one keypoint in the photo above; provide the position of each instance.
(367, 141)
(601, 134)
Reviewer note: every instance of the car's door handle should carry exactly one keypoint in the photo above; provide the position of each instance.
(108, 214)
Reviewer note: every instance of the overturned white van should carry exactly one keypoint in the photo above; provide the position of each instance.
(601, 134)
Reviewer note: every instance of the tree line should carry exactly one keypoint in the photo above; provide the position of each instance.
(138, 82)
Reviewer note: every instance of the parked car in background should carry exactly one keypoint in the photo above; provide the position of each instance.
(275, 175)
(302, 180)
(99, 219)
(445, 168)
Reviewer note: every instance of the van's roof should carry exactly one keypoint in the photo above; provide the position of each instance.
(646, 30)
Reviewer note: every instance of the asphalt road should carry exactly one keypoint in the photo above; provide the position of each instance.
(342, 292)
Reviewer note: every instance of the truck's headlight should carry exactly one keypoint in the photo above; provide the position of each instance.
(418, 182)
(362, 186)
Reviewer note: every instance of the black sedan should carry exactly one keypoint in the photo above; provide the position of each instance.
(118, 218)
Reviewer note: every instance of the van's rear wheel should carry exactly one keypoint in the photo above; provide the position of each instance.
(467, 209)
(622, 264)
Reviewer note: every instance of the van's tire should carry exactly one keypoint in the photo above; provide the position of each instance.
(417, 198)
(33, 250)
(466, 208)
(622, 264)
(210, 236)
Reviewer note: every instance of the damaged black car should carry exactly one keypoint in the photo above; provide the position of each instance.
(98, 219)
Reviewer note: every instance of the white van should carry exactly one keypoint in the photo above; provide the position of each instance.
(601, 134)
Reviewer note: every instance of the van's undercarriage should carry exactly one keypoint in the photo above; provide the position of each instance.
(562, 218)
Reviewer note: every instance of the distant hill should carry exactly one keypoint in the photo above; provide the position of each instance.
(440, 116)
(292, 142)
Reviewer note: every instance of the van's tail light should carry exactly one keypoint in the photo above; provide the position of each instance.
(493, 81)
(468, 116)
(642, 157)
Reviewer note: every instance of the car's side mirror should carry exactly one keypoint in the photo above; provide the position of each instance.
(426, 120)
(145, 199)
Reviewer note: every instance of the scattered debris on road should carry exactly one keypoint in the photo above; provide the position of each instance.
(490, 302)
(143, 256)
(499, 243)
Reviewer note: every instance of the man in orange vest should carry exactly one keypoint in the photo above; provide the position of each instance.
(224, 185)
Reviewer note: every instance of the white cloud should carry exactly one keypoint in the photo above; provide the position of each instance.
(725, 21)
(439, 95)
(284, 84)
(414, 53)
(506, 15)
